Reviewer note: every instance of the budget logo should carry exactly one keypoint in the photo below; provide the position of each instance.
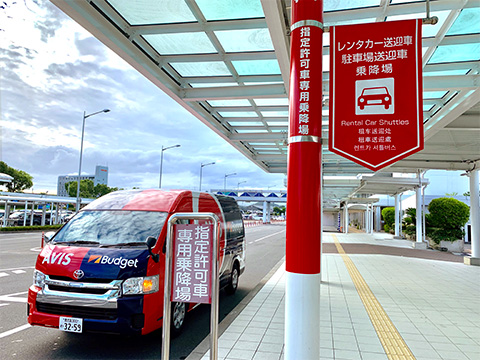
(118, 261)
(95, 258)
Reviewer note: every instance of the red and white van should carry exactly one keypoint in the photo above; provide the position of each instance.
(96, 273)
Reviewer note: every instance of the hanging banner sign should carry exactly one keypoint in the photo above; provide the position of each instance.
(192, 263)
(376, 106)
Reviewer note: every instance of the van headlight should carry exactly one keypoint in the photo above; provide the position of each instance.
(38, 279)
(140, 285)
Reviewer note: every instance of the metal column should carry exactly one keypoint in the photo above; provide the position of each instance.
(475, 213)
(397, 215)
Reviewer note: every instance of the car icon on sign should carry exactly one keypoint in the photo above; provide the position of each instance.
(374, 96)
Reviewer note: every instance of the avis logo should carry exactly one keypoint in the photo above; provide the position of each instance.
(58, 258)
(118, 261)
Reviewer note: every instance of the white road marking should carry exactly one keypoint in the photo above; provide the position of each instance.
(15, 294)
(265, 237)
(13, 331)
(18, 268)
(19, 271)
(13, 299)
(2, 274)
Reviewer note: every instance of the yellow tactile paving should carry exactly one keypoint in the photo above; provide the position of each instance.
(392, 342)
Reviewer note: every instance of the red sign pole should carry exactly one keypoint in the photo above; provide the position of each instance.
(302, 311)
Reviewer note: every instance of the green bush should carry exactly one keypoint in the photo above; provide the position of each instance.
(412, 214)
(388, 215)
(447, 217)
(410, 229)
(31, 228)
(386, 227)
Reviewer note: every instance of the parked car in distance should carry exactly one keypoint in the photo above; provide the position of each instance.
(17, 218)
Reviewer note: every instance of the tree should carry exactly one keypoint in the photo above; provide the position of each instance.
(447, 216)
(21, 179)
(87, 189)
(388, 215)
(279, 210)
(412, 213)
(102, 189)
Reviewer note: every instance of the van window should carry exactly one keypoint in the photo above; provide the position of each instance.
(110, 228)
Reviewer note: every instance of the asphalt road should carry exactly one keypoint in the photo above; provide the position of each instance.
(18, 340)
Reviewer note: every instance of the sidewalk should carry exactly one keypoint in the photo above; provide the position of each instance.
(425, 307)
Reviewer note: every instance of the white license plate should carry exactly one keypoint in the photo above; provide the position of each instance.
(71, 324)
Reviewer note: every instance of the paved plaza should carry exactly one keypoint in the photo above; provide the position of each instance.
(414, 304)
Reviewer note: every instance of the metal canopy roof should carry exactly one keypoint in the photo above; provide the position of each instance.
(227, 63)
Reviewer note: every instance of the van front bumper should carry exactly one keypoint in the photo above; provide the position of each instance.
(123, 316)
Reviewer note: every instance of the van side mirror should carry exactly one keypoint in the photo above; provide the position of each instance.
(48, 236)
(151, 241)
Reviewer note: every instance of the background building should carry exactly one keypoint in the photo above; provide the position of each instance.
(100, 177)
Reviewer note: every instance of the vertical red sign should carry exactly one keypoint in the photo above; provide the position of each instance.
(306, 78)
(376, 107)
(192, 263)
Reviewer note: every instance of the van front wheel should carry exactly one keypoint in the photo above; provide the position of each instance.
(179, 312)
(233, 283)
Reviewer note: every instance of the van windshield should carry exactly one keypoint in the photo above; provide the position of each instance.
(111, 228)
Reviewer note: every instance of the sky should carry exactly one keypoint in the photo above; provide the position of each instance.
(52, 70)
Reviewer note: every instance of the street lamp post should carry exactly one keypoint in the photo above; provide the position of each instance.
(81, 153)
(225, 180)
(201, 167)
(240, 182)
(161, 163)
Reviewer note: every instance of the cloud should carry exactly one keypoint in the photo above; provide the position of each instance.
(50, 77)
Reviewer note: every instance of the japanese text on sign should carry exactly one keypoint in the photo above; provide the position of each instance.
(192, 263)
(304, 83)
(376, 92)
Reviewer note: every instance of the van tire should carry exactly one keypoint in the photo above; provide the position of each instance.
(233, 282)
(178, 315)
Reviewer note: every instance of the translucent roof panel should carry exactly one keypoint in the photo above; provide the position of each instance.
(271, 102)
(274, 113)
(468, 22)
(142, 12)
(256, 67)
(434, 94)
(219, 47)
(277, 123)
(351, 22)
(206, 68)
(181, 43)
(245, 123)
(241, 131)
(445, 72)
(334, 5)
(453, 53)
(245, 40)
(207, 85)
(428, 30)
(230, 9)
(227, 114)
(232, 102)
